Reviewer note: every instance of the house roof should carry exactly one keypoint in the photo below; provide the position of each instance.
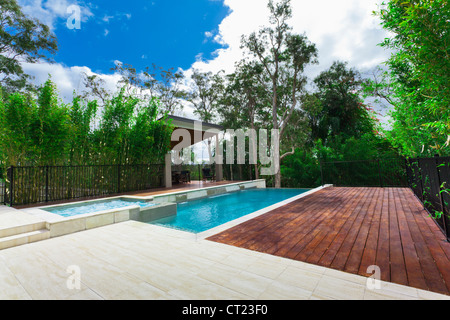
(186, 123)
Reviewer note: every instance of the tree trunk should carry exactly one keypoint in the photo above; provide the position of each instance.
(278, 179)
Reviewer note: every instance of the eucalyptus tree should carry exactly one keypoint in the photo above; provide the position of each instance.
(154, 82)
(22, 39)
(283, 56)
(94, 88)
(206, 91)
(243, 103)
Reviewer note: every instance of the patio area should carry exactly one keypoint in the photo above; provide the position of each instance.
(350, 229)
(315, 248)
(133, 260)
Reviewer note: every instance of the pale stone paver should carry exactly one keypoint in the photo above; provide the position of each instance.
(133, 260)
(10, 218)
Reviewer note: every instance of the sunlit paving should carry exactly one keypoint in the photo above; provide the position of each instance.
(224, 158)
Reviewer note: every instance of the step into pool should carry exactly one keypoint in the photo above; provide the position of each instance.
(203, 214)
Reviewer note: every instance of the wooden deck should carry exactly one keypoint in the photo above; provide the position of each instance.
(350, 229)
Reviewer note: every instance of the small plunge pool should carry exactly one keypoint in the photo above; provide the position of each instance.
(97, 206)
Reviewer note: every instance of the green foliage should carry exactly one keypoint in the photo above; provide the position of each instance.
(283, 57)
(206, 91)
(419, 75)
(154, 82)
(302, 169)
(22, 39)
(44, 131)
(337, 107)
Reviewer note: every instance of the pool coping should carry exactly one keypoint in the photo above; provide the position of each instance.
(59, 225)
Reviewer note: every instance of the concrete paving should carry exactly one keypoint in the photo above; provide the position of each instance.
(133, 260)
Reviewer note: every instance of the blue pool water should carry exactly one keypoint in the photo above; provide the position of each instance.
(203, 214)
(74, 210)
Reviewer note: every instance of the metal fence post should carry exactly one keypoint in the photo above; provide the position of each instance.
(408, 174)
(441, 199)
(379, 173)
(321, 172)
(118, 178)
(46, 183)
(11, 187)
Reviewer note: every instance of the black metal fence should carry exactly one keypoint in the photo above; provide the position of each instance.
(366, 173)
(239, 172)
(195, 171)
(32, 185)
(429, 179)
(235, 172)
(2, 186)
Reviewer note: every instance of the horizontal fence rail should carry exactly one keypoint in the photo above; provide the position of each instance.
(33, 185)
(428, 178)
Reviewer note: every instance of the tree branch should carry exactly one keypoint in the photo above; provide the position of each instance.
(288, 154)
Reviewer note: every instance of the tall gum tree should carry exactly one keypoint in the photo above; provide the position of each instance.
(283, 56)
(22, 39)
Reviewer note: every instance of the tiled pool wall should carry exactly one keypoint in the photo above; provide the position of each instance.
(166, 205)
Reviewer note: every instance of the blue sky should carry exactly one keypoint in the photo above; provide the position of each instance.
(194, 34)
(167, 33)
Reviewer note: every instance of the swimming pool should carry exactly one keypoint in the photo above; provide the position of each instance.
(203, 214)
(92, 207)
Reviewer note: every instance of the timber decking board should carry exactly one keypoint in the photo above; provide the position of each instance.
(350, 229)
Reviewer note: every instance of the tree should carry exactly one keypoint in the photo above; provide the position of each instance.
(154, 82)
(95, 88)
(243, 102)
(81, 118)
(283, 56)
(22, 39)
(52, 126)
(206, 91)
(418, 74)
(42, 130)
(342, 111)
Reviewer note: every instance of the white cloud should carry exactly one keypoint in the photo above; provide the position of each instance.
(342, 30)
(106, 18)
(49, 11)
(67, 79)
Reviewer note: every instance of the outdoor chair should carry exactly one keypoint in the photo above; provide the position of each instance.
(207, 174)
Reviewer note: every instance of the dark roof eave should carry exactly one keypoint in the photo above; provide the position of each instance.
(190, 121)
